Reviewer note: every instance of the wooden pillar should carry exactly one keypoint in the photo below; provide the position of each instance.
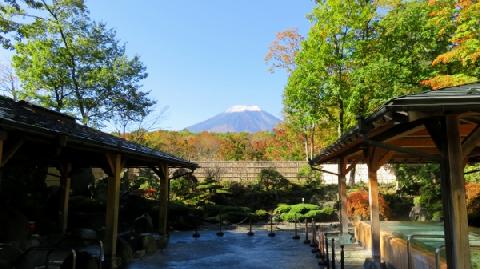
(3, 137)
(65, 183)
(453, 194)
(1, 160)
(113, 203)
(163, 212)
(376, 157)
(342, 190)
(374, 211)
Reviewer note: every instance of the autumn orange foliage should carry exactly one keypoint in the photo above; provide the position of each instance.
(282, 51)
(444, 81)
(458, 20)
(283, 143)
(472, 191)
(357, 205)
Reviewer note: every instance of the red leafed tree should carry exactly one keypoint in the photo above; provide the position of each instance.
(472, 192)
(357, 205)
(282, 51)
(459, 20)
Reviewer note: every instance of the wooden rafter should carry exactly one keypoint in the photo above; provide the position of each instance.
(7, 155)
(404, 150)
(471, 141)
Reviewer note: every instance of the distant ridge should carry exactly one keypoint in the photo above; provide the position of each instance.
(239, 118)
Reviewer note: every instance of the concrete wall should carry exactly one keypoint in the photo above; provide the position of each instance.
(249, 170)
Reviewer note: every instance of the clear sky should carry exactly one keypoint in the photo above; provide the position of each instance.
(205, 56)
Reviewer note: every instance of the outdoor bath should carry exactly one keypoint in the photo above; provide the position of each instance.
(425, 242)
(234, 250)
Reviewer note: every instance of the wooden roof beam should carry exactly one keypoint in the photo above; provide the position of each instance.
(402, 150)
(471, 141)
(413, 142)
(8, 154)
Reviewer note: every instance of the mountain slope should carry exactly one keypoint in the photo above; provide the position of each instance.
(237, 119)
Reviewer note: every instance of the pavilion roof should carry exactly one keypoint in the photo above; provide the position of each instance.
(40, 124)
(402, 124)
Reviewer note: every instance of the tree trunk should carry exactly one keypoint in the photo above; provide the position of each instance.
(312, 141)
(341, 119)
(305, 141)
(73, 71)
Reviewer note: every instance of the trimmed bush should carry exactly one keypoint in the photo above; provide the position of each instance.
(299, 212)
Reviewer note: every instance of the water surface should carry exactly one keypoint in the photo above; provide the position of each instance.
(234, 250)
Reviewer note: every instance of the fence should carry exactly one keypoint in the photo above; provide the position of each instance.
(249, 170)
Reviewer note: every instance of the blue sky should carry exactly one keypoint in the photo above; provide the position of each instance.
(205, 56)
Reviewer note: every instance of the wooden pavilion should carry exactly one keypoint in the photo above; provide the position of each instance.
(56, 140)
(435, 126)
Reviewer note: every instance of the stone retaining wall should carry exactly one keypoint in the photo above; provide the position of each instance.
(249, 170)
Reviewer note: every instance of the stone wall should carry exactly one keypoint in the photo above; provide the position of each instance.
(249, 170)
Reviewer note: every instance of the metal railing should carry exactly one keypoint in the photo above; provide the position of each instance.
(410, 238)
(438, 249)
(438, 253)
(324, 254)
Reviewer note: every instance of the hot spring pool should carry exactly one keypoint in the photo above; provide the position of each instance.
(234, 250)
(402, 229)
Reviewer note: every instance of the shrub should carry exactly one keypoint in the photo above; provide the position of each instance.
(473, 203)
(472, 192)
(230, 214)
(261, 214)
(312, 178)
(358, 206)
(271, 179)
(182, 187)
(401, 204)
(299, 212)
(282, 208)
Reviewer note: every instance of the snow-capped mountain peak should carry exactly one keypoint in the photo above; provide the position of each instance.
(242, 108)
(238, 118)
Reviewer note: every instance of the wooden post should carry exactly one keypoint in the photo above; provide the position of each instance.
(162, 173)
(65, 183)
(3, 137)
(163, 212)
(342, 191)
(113, 203)
(1, 160)
(376, 157)
(453, 194)
(374, 211)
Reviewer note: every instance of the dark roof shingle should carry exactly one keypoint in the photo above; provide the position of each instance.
(30, 118)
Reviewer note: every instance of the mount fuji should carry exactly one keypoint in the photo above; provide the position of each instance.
(237, 118)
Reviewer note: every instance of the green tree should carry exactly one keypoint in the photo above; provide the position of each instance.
(72, 64)
(356, 58)
(397, 57)
(422, 181)
(9, 11)
(320, 87)
(282, 54)
(9, 83)
(457, 21)
(271, 179)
